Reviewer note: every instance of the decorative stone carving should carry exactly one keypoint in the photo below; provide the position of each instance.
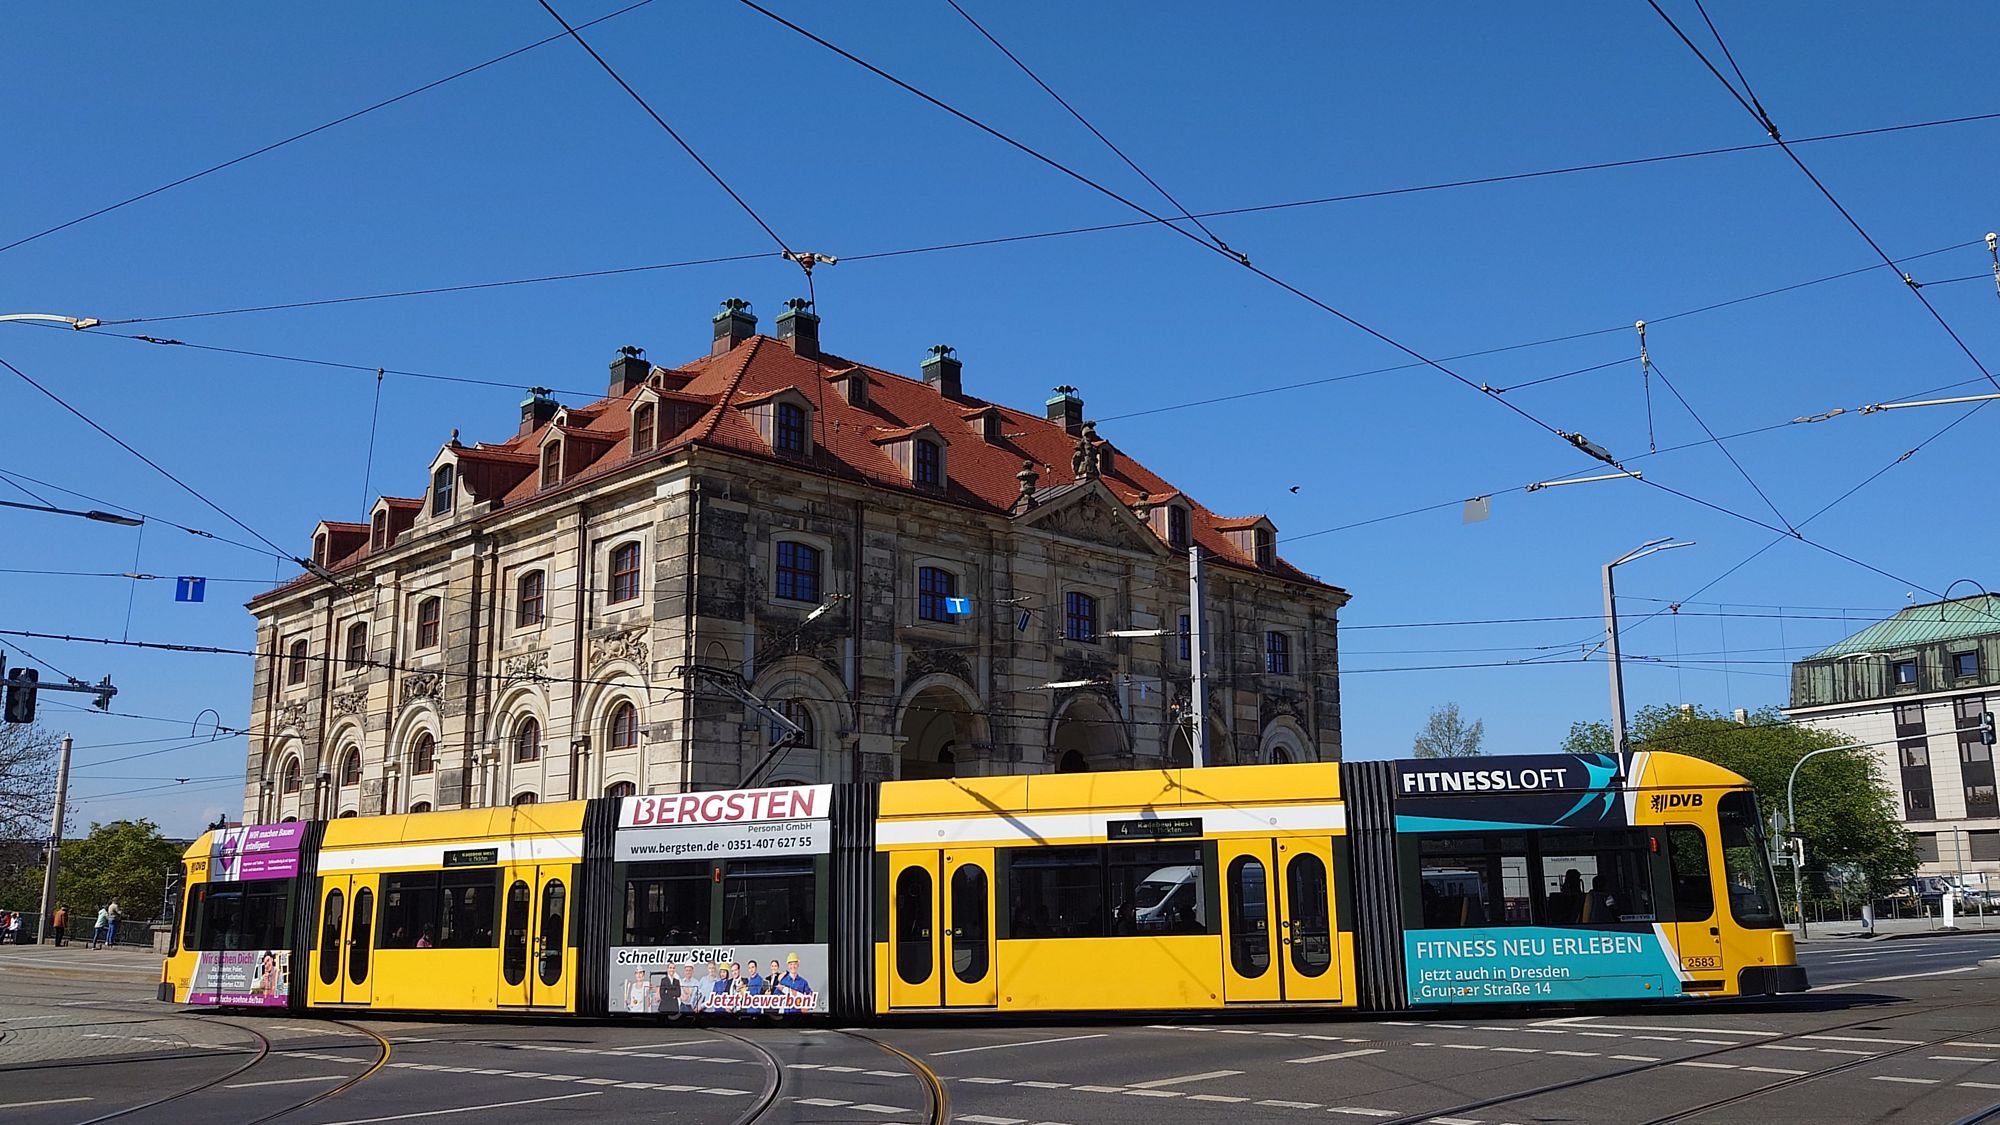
(372, 792)
(450, 788)
(350, 702)
(292, 716)
(529, 666)
(422, 685)
(1084, 462)
(629, 645)
(926, 659)
(1093, 520)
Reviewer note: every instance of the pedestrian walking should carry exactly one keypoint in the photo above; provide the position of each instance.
(59, 924)
(111, 926)
(14, 927)
(97, 929)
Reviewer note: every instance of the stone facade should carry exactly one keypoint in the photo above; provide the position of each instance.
(882, 687)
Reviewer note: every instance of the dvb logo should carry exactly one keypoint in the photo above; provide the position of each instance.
(1661, 802)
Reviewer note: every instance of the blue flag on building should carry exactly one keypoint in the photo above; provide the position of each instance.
(189, 589)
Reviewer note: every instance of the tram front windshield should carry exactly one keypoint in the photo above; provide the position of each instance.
(1746, 859)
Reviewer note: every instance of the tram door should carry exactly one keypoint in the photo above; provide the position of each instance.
(342, 968)
(534, 935)
(941, 929)
(1278, 925)
(1697, 928)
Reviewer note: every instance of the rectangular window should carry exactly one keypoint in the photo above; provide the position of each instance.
(1056, 892)
(1905, 673)
(1983, 847)
(1964, 664)
(357, 645)
(1917, 804)
(934, 585)
(427, 623)
(768, 901)
(1177, 527)
(1475, 880)
(624, 573)
(1155, 889)
(253, 915)
(1982, 800)
(468, 901)
(1187, 636)
(1595, 878)
(1687, 862)
(1080, 617)
(798, 572)
(1277, 653)
(409, 911)
(439, 909)
(928, 463)
(788, 432)
(529, 602)
(667, 903)
(1746, 861)
(1927, 846)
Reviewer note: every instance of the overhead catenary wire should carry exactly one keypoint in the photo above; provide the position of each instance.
(1718, 442)
(8, 474)
(320, 128)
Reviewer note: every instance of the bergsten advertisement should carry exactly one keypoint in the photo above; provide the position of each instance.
(1542, 964)
(242, 978)
(747, 978)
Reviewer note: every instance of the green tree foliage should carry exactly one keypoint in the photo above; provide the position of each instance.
(1446, 734)
(1846, 813)
(125, 861)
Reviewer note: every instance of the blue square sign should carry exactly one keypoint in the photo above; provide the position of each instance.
(189, 589)
(958, 605)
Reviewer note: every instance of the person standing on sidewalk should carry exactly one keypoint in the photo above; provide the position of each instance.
(111, 928)
(97, 930)
(14, 927)
(60, 923)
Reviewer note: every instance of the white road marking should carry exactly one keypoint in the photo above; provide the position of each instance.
(1911, 1081)
(871, 1107)
(1959, 1058)
(1359, 1112)
(982, 1119)
(833, 1103)
(1289, 1105)
(1969, 1043)
(283, 1081)
(1974, 1085)
(1637, 1058)
(1576, 1054)
(1706, 1065)
(1885, 980)
(1773, 1070)
(1667, 1027)
(1204, 1076)
(50, 1101)
(1026, 1043)
(466, 1109)
(1044, 1085)
(1862, 1039)
(1215, 1098)
(987, 1081)
(1355, 1054)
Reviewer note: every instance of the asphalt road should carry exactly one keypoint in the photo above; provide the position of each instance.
(1894, 1031)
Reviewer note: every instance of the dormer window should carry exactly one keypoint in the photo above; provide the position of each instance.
(319, 549)
(1177, 526)
(1266, 546)
(643, 435)
(552, 467)
(788, 428)
(378, 531)
(927, 464)
(444, 483)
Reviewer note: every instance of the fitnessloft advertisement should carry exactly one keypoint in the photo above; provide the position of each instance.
(747, 977)
(1482, 940)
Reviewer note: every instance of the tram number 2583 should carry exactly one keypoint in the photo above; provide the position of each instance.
(1701, 962)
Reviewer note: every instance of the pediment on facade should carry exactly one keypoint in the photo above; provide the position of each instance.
(1088, 511)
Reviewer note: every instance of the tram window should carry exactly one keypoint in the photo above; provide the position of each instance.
(1310, 914)
(1687, 858)
(1753, 900)
(467, 903)
(1249, 918)
(766, 901)
(667, 904)
(439, 910)
(359, 935)
(552, 931)
(329, 937)
(409, 910)
(968, 923)
(913, 925)
(250, 915)
(1594, 878)
(514, 950)
(1478, 880)
(1155, 889)
(191, 920)
(1056, 892)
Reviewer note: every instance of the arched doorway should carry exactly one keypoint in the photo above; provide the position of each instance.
(1087, 735)
(938, 729)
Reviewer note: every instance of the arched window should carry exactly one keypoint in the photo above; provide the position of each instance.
(428, 612)
(421, 806)
(348, 813)
(350, 767)
(444, 482)
(1080, 617)
(523, 799)
(378, 535)
(1177, 526)
(1278, 653)
(927, 463)
(528, 599)
(935, 586)
(295, 665)
(319, 548)
(621, 789)
(624, 727)
(788, 430)
(552, 464)
(357, 645)
(528, 740)
(798, 572)
(291, 777)
(795, 711)
(624, 572)
(642, 428)
(423, 755)
(1072, 762)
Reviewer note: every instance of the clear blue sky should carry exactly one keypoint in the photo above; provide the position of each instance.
(540, 165)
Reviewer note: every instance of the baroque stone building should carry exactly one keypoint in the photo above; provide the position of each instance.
(772, 561)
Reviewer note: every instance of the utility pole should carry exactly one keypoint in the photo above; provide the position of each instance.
(1197, 657)
(1650, 547)
(55, 844)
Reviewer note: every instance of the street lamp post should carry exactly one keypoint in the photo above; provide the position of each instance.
(1651, 547)
(1792, 822)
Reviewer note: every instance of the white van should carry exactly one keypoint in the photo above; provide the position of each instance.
(1170, 898)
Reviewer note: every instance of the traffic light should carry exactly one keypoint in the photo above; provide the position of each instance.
(1986, 727)
(21, 694)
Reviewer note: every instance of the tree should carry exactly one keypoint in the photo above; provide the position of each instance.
(1446, 734)
(1855, 841)
(27, 780)
(126, 861)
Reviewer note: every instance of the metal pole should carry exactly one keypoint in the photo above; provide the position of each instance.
(1617, 670)
(1792, 819)
(55, 844)
(1197, 656)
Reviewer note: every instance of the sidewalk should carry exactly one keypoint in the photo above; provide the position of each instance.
(1887, 929)
(122, 963)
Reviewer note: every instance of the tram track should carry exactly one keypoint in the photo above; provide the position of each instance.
(940, 1098)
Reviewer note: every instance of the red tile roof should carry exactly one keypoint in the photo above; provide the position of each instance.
(846, 440)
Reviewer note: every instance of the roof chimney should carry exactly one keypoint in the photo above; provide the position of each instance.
(537, 409)
(941, 370)
(628, 370)
(799, 327)
(733, 325)
(1066, 408)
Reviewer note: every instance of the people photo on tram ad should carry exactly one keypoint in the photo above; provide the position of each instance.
(683, 981)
